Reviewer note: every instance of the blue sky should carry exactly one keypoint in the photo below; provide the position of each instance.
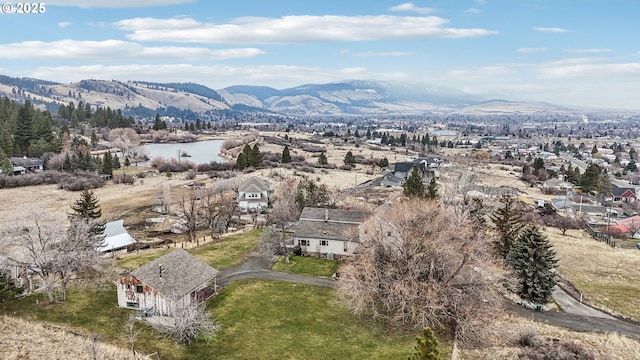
(583, 53)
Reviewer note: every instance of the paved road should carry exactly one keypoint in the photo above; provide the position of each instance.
(576, 316)
(572, 306)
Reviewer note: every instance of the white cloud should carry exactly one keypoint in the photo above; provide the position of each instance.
(473, 11)
(481, 2)
(412, 8)
(377, 53)
(64, 24)
(532, 50)
(115, 50)
(115, 3)
(626, 71)
(587, 51)
(295, 29)
(550, 29)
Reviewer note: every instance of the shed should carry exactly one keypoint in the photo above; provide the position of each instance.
(175, 279)
(116, 237)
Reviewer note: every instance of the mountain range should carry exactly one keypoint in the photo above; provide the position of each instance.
(351, 97)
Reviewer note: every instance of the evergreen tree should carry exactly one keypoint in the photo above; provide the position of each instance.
(414, 187)
(286, 156)
(241, 162)
(432, 189)
(255, 156)
(368, 135)
(94, 138)
(5, 163)
(384, 162)
(9, 290)
(507, 221)
(322, 159)
(107, 164)
(116, 162)
(534, 260)
(127, 162)
(6, 142)
(87, 208)
(24, 128)
(427, 347)
(349, 159)
(594, 150)
(538, 163)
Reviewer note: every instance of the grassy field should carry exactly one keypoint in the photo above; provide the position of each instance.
(608, 277)
(260, 319)
(228, 251)
(305, 265)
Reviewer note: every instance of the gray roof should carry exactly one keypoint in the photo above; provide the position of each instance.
(334, 215)
(341, 224)
(182, 273)
(407, 167)
(254, 184)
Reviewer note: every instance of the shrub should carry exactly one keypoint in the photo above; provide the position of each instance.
(69, 181)
(124, 179)
(172, 165)
(190, 174)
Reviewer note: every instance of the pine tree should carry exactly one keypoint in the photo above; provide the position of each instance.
(9, 290)
(241, 162)
(383, 163)
(286, 156)
(5, 163)
(349, 159)
(322, 159)
(107, 164)
(127, 162)
(534, 260)
(507, 221)
(414, 187)
(116, 162)
(87, 208)
(255, 156)
(428, 347)
(432, 189)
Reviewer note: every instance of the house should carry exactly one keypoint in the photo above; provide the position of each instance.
(175, 279)
(390, 180)
(404, 169)
(116, 237)
(26, 164)
(556, 184)
(254, 193)
(627, 195)
(328, 232)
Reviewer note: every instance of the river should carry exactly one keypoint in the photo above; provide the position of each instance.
(202, 152)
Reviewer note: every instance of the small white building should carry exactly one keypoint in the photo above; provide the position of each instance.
(177, 278)
(254, 193)
(116, 237)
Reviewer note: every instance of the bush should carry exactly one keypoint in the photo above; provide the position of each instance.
(536, 348)
(124, 179)
(190, 174)
(69, 181)
(172, 165)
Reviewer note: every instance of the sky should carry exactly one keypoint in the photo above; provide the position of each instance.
(578, 53)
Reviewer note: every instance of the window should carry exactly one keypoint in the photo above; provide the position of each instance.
(253, 196)
(139, 289)
(303, 242)
(345, 246)
(324, 242)
(132, 304)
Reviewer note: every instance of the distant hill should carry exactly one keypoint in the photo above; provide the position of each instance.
(190, 100)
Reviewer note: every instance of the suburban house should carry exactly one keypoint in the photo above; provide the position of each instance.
(175, 279)
(627, 195)
(254, 193)
(116, 237)
(404, 169)
(25, 164)
(328, 232)
(556, 184)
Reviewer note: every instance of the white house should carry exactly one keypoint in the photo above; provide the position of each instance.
(254, 193)
(328, 231)
(177, 278)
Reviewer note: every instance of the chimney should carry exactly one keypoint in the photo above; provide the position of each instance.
(326, 215)
(161, 270)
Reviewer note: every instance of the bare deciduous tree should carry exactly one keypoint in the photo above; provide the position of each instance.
(190, 322)
(284, 207)
(126, 139)
(189, 206)
(420, 265)
(219, 204)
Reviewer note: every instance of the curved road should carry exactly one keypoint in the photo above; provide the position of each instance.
(576, 316)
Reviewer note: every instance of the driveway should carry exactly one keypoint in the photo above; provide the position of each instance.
(575, 316)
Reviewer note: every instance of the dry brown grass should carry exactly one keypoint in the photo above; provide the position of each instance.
(609, 278)
(25, 340)
(504, 347)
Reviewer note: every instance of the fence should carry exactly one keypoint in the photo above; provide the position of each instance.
(600, 236)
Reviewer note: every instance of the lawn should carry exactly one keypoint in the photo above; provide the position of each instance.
(228, 251)
(260, 319)
(306, 265)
